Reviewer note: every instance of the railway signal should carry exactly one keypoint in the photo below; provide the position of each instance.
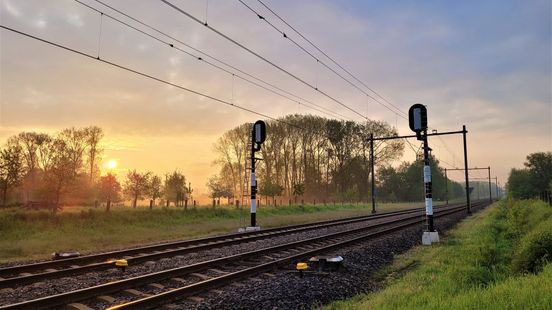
(258, 136)
(417, 120)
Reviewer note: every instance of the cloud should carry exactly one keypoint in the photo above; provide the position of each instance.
(460, 59)
(11, 8)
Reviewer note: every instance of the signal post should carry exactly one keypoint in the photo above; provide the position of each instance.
(258, 136)
(417, 120)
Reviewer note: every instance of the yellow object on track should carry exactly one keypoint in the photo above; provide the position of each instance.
(301, 266)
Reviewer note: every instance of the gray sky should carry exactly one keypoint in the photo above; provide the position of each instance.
(485, 64)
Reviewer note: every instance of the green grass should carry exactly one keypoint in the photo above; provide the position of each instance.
(475, 267)
(37, 234)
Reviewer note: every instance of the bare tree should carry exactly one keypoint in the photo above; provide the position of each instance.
(75, 145)
(93, 135)
(329, 157)
(136, 185)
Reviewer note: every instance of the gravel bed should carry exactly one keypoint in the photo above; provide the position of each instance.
(56, 286)
(288, 291)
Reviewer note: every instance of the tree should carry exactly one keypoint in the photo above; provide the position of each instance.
(520, 184)
(93, 136)
(75, 145)
(540, 167)
(218, 188)
(60, 173)
(270, 189)
(30, 142)
(298, 190)
(175, 187)
(155, 187)
(534, 179)
(136, 185)
(11, 168)
(328, 157)
(109, 189)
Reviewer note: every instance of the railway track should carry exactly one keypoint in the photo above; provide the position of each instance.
(154, 289)
(35, 272)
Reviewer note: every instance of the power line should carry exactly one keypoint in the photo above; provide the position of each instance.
(327, 56)
(151, 77)
(261, 57)
(302, 101)
(318, 60)
(448, 150)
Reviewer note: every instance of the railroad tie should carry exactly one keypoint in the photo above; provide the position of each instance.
(216, 291)
(106, 298)
(37, 284)
(256, 279)
(149, 263)
(268, 274)
(156, 285)
(78, 306)
(25, 274)
(238, 284)
(249, 263)
(51, 270)
(133, 292)
(178, 280)
(196, 299)
(74, 266)
(201, 276)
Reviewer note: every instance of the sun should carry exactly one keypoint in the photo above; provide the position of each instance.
(112, 164)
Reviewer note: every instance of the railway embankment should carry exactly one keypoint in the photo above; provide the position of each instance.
(501, 258)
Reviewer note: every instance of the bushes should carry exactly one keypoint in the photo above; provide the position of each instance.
(529, 226)
(534, 250)
(498, 259)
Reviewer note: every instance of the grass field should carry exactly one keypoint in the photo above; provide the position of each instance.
(498, 259)
(37, 234)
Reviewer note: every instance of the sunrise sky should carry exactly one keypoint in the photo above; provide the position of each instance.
(485, 64)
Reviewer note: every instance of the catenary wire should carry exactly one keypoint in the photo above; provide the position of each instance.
(303, 102)
(178, 9)
(327, 56)
(146, 75)
(319, 60)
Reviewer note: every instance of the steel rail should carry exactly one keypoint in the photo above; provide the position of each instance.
(193, 289)
(170, 249)
(107, 288)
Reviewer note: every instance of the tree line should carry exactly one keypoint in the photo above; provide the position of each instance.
(328, 160)
(63, 168)
(532, 180)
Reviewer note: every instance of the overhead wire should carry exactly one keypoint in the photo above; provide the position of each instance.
(146, 75)
(301, 100)
(192, 17)
(327, 56)
(324, 53)
(318, 60)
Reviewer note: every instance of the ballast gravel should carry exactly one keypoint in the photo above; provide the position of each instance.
(289, 291)
(66, 284)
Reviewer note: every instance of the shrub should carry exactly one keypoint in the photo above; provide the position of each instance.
(534, 249)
